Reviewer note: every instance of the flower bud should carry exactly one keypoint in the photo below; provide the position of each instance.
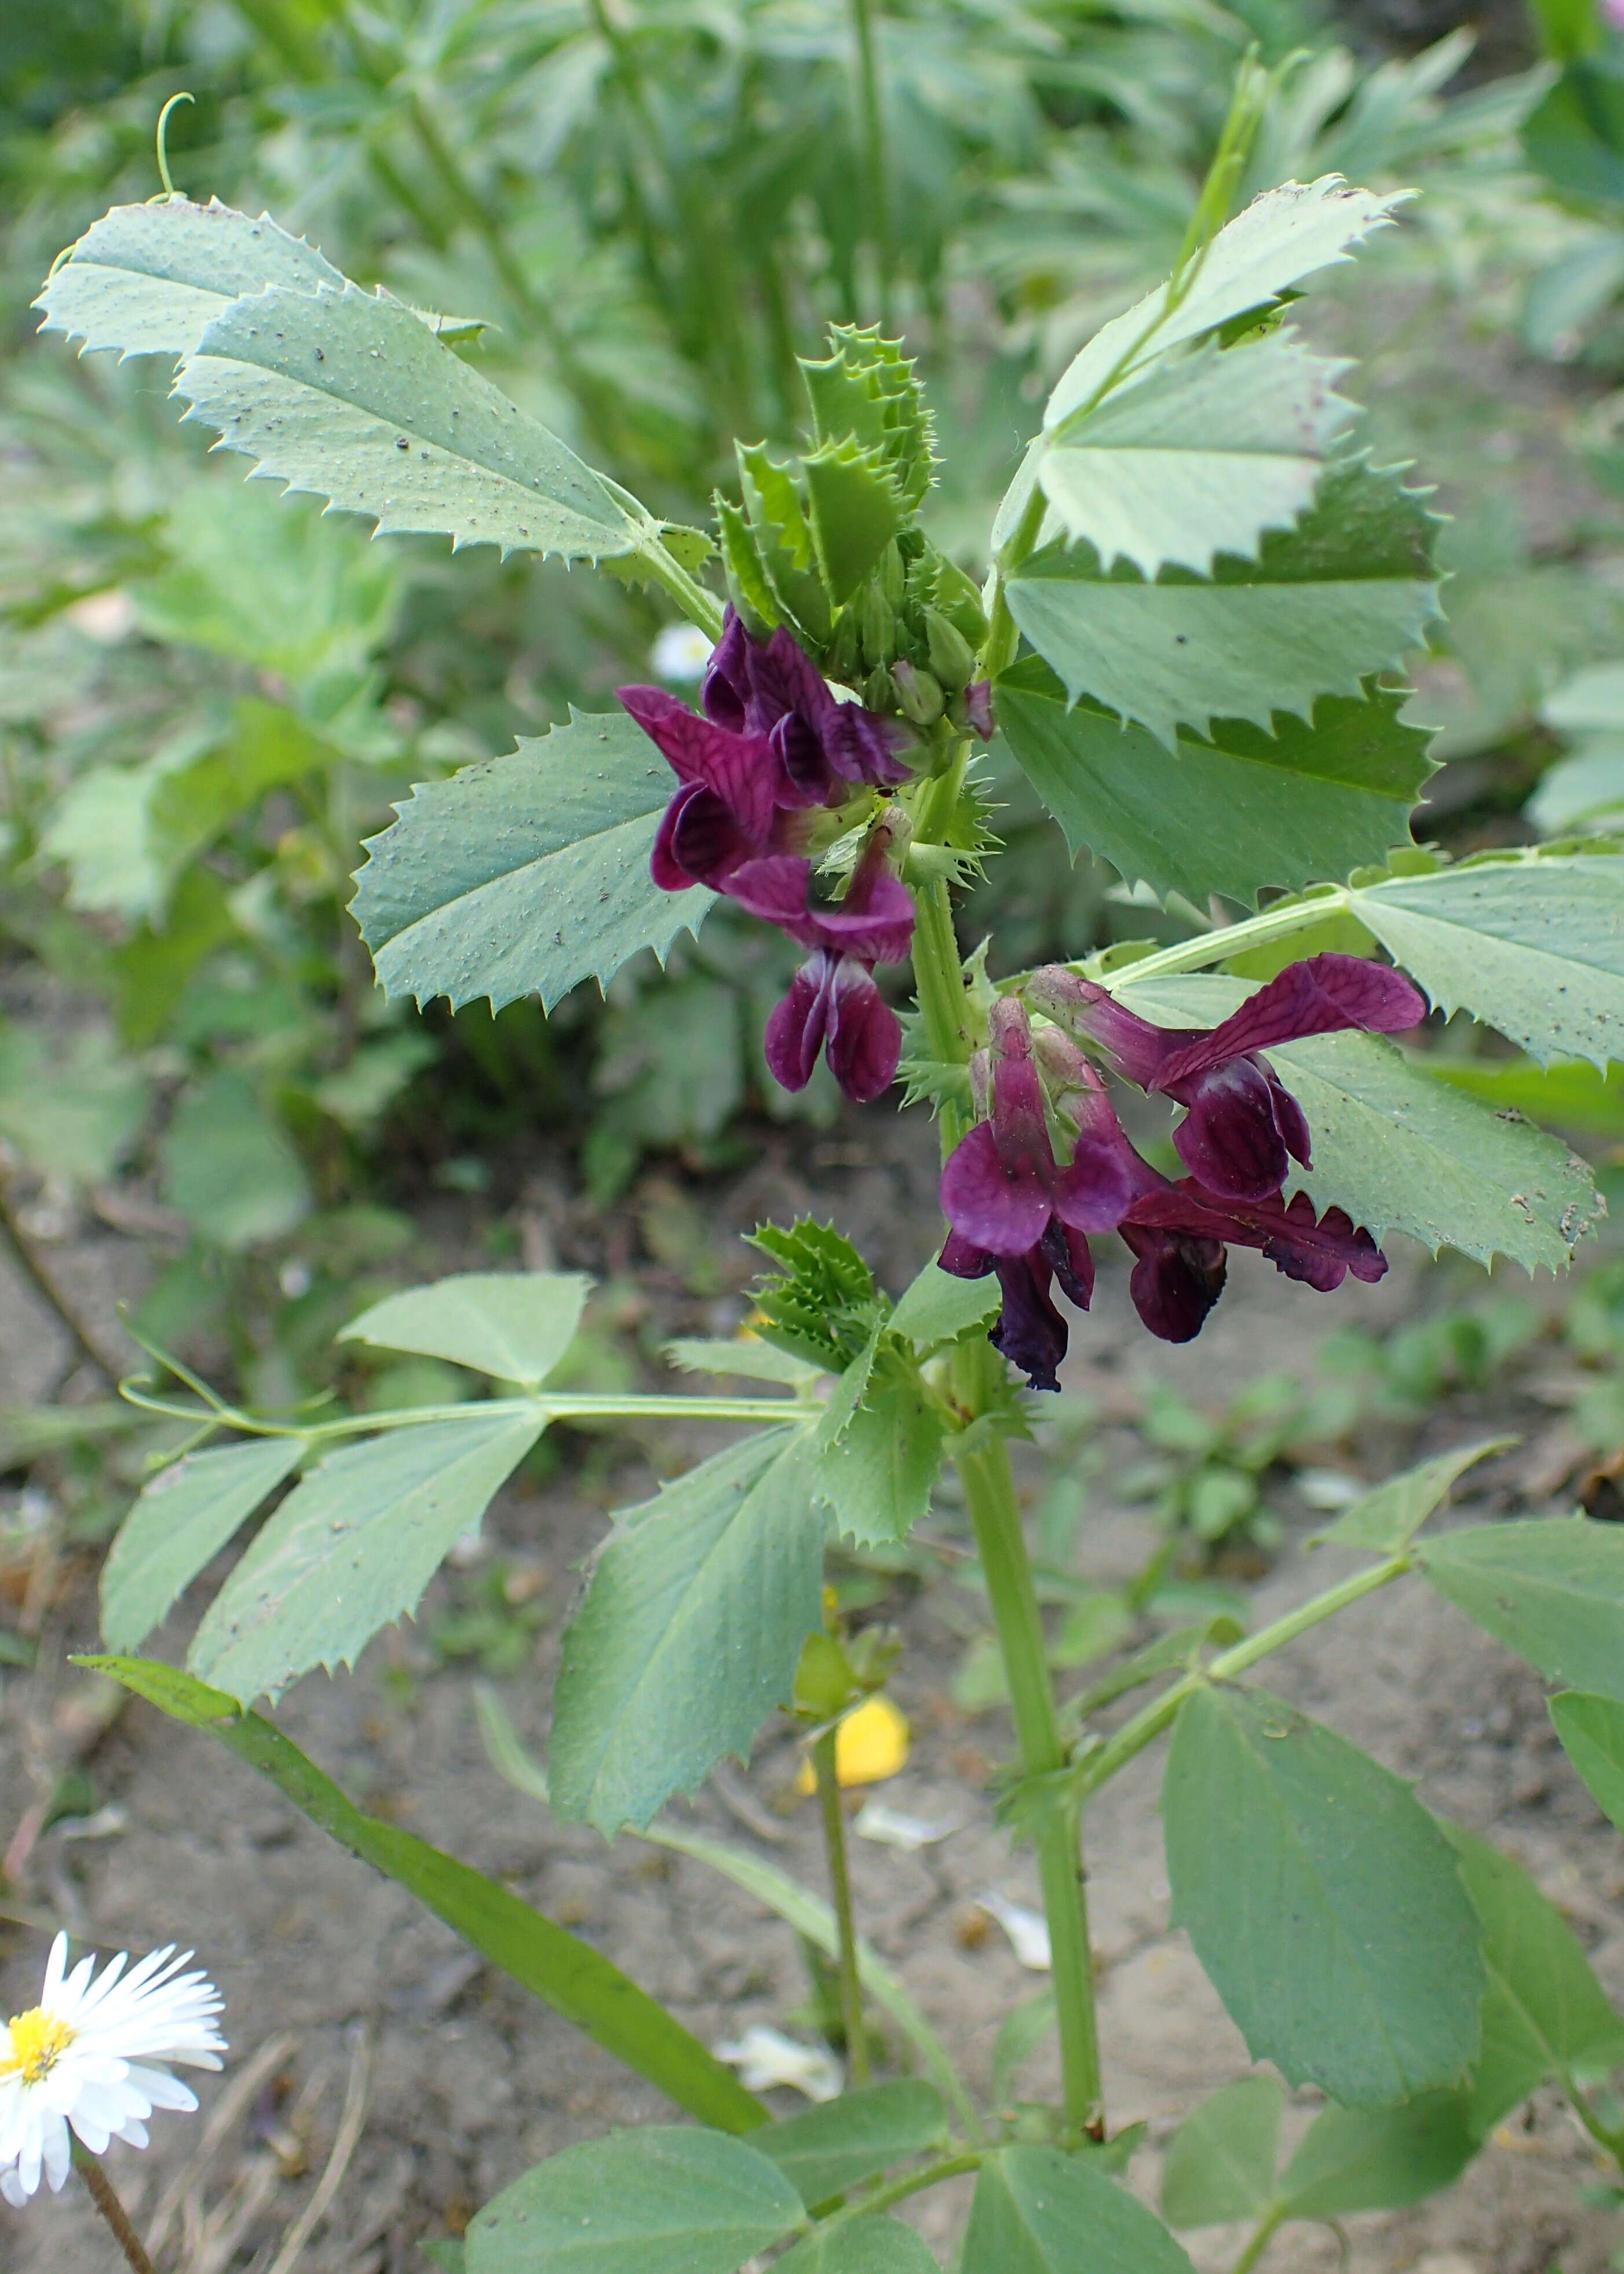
(879, 627)
(892, 576)
(951, 657)
(919, 692)
(845, 659)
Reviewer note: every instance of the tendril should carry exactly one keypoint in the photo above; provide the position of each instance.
(169, 190)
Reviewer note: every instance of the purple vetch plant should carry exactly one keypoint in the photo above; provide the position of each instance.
(1165, 614)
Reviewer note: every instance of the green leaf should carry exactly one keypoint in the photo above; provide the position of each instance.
(527, 874)
(1533, 945)
(937, 1307)
(1388, 1516)
(1037, 2211)
(1220, 2163)
(867, 2245)
(867, 389)
(698, 1605)
(809, 1915)
(1550, 1588)
(1402, 1152)
(514, 1325)
(820, 1303)
(1545, 2013)
(184, 1517)
(1353, 1962)
(744, 1356)
(1575, 137)
(877, 1463)
(663, 2199)
(855, 511)
(71, 1106)
(352, 1548)
(148, 280)
(1348, 593)
(1591, 1730)
(227, 1166)
(1198, 457)
(542, 1957)
(352, 398)
(1355, 2160)
(1247, 809)
(1585, 790)
(1282, 237)
(825, 2150)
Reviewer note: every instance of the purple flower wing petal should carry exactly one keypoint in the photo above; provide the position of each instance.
(1323, 994)
(742, 769)
(985, 1204)
(698, 841)
(878, 931)
(806, 777)
(1289, 1118)
(784, 677)
(1071, 1260)
(793, 1035)
(1030, 1332)
(1095, 1191)
(858, 744)
(725, 689)
(774, 889)
(1175, 1282)
(1081, 1006)
(962, 1257)
(1229, 1139)
(864, 1039)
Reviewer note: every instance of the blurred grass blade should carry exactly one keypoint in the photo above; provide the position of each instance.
(560, 1968)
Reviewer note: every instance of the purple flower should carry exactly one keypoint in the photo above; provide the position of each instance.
(826, 748)
(725, 807)
(1242, 1127)
(833, 1005)
(1319, 1250)
(1015, 1210)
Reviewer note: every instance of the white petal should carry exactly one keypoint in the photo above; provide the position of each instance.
(55, 1965)
(765, 2056)
(1026, 1929)
(13, 2190)
(58, 2154)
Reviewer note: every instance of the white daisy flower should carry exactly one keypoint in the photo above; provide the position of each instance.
(680, 653)
(91, 2054)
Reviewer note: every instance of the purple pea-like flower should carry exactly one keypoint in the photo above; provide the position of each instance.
(833, 1005)
(725, 810)
(825, 748)
(1242, 1127)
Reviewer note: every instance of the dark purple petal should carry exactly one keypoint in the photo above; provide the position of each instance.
(807, 778)
(1319, 1254)
(964, 1259)
(1071, 1260)
(1176, 1280)
(784, 677)
(978, 708)
(1324, 995)
(794, 1034)
(774, 889)
(1006, 1211)
(725, 689)
(860, 745)
(1030, 1332)
(1289, 1118)
(863, 1036)
(878, 930)
(1080, 1007)
(698, 841)
(1230, 1140)
(742, 769)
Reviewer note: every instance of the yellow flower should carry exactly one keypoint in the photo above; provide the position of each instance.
(871, 1744)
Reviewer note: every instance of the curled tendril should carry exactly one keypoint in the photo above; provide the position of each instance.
(169, 190)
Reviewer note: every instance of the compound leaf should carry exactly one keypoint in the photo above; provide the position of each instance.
(352, 397)
(663, 2199)
(1244, 808)
(1350, 1959)
(183, 1517)
(1221, 2161)
(1388, 1516)
(1591, 1730)
(1551, 1588)
(1346, 593)
(689, 1632)
(148, 280)
(514, 1325)
(825, 2150)
(1198, 457)
(352, 1548)
(1037, 2211)
(1378, 2158)
(526, 874)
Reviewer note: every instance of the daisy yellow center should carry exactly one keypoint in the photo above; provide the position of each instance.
(38, 2041)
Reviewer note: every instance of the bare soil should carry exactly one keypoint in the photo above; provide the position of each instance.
(457, 2080)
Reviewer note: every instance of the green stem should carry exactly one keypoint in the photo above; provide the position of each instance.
(896, 2191)
(698, 605)
(871, 142)
(563, 1407)
(1610, 2143)
(1003, 642)
(938, 982)
(989, 1493)
(1262, 2236)
(826, 1769)
(1149, 1723)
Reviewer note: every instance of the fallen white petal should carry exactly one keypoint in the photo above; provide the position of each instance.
(765, 2058)
(1027, 1931)
(894, 1827)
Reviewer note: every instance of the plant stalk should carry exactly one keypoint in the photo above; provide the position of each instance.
(1149, 1723)
(871, 142)
(15, 1244)
(1262, 2236)
(825, 1769)
(990, 1492)
(105, 2198)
